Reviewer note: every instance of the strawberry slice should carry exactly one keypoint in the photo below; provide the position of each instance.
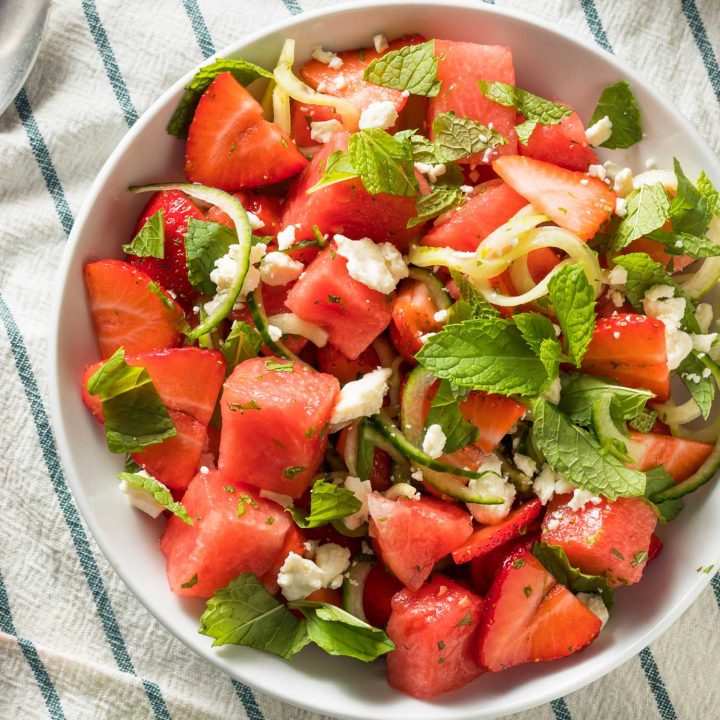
(488, 538)
(333, 362)
(484, 569)
(657, 252)
(231, 146)
(631, 349)
(171, 271)
(656, 546)
(529, 617)
(573, 200)
(267, 208)
(413, 313)
(680, 457)
(347, 80)
(380, 586)
(129, 309)
(493, 415)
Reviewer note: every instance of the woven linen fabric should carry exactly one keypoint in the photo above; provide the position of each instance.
(74, 643)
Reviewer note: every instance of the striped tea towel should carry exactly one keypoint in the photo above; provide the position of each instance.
(73, 642)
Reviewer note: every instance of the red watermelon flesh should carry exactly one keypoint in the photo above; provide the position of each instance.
(223, 541)
(302, 115)
(433, 629)
(610, 539)
(412, 535)
(468, 226)
(460, 66)
(346, 207)
(274, 430)
(352, 313)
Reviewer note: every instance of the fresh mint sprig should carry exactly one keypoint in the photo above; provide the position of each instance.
(618, 103)
(412, 68)
(150, 240)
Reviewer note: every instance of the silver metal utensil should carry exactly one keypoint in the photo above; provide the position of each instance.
(22, 23)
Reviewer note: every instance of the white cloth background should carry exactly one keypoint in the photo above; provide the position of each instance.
(73, 641)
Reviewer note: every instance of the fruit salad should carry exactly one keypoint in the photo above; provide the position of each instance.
(409, 366)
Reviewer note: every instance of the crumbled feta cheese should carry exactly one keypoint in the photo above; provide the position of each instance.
(707, 372)
(204, 470)
(283, 500)
(366, 548)
(299, 577)
(434, 441)
(704, 316)
(703, 343)
(597, 171)
(424, 338)
(650, 163)
(552, 524)
(563, 485)
(599, 132)
(581, 498)
(340, 82)
(141, 499)
(360, 398)
(225, 272)
(333, 561)
(441, 316)
(492, 484)
(278, 268)
(433, 172)
(525, 464)
(661, 292)
(552, 394)
(659, 302)
(593, 602)
(544, 484)
(467, 189)
(665, 177)
(324, 56)
(611, 169)
(310, 547)
(380, 42)
(360, 489)
(616, 297)
(692, 377)
(380, 266)
(618, 275)
(336, 63)
(585, 181)
(616, 335)
(322, 131)
(274, 332)
(402, 490)
(382, 114)
(623, 184)
(557, 329)
(286, 237)
(620, 207)
(417, 475)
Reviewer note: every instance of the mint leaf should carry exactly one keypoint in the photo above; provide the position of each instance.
(471, 305)
(487, 354)
(537, 110)
(689, 211)
(701, 389)
(644, 273)
(245, 613)
(423, 150)
(243, 342)
(440, 200)
(574, 452)
(412, 68)
(574, 302)
(619, 104)
(337, 169)
(535, 328)
(384, 164)
(445, 411)
(243, 71)
(648, 209)
(134, 414)
(159, 492)
(644, 422)
(657, 480)
(205, 242)
(709, 193)
(456, 137)
(685, 244)
(338, 632)
(328, 502)
(556, 562)
(550, 355)
(580, 392)
(150, 241)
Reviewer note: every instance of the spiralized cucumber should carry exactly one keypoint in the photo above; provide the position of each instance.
(435, 288)
(701, 281)
(291, 324)
(354, 585)
(280, 98)
(257, 312)
(236, 212)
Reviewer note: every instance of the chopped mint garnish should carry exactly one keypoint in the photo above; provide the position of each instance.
(658, 480)
(445, 411)
(618, 103)
(337, 169)
(205, 242)
(328, 502)
(243, 342)
(242, 407)
(708, 191)
(159, 492)
(440, 200)
(689, 213)
(150, 241)
(384, 164)
(647, 209)
(275, 366)
(471, 305)
(412, 68)
(458, 137)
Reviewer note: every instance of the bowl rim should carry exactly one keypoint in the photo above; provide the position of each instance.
(550, 692)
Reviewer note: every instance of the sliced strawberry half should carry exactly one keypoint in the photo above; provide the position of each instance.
(529, 617)
(267, 208)
(231, 146)
(413, 312)
(631, 349)
(487, 539)
(493, 415)
(680, 457)
(129, 309)
(170, 271)
(573, 200)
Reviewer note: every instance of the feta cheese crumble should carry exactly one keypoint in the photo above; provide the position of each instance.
(581, 498)
(360, 398)
(286, 237)
(703, 343)
(441, 316)
(225, 272)
(618, 275)
(333, 560)
(494, 484)
(326, 57)
(141, 499)
(704, 316)
(594, 603)
(659, 302)
(274, 332)
(623, 182)
(599, 132)
(405, 490)
(597, 171)
(278, 268)
(432, 172)
(360, 489)
(381, 114)
(379, 266)
(620, 207)
(380, 42)
(525, 464)
(299, 577)
(549, 483)
(322, 131)
(434, 441)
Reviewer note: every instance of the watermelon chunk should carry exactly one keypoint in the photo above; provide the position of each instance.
(230, 535)
(347, 207)
(468, 226)
(413, 315)
(412, 535)
(352, 313)
(609, 539)
(433, 629)
(274, 429)
(460, 66)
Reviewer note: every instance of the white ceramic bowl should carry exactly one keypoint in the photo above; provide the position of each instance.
(548, 63)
